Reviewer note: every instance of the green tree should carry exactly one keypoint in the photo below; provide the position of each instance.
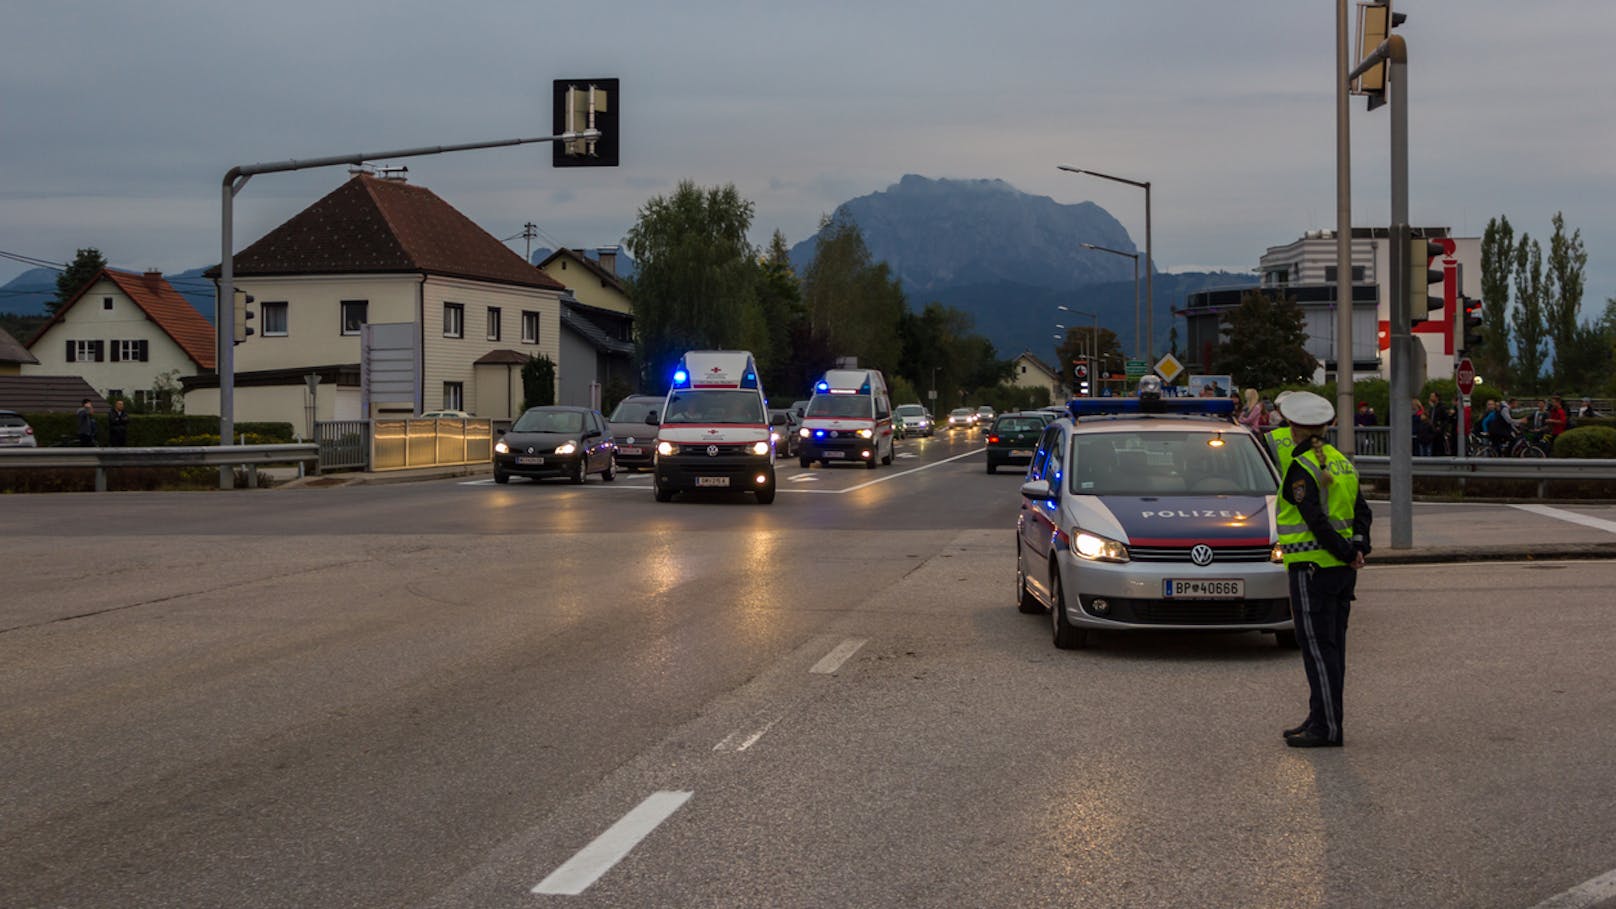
(853, 303)
(86, 264)
(1532, 288)
(1103, 350)
(696, 285)
(941, 351)
(1497, 262)
(1563, 309)
(538, 382)
(1265, 343)
(784, 318)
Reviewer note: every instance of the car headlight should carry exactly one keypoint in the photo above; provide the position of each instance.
(760, 448)
(666, 448)
(1277, 554)
(567, 447)
(1096, 548)
(501, 448)
(866, 433)
(774, 437)
(804, 432)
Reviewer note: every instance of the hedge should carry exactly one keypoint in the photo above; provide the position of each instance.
(1586, 442)
(149, 430)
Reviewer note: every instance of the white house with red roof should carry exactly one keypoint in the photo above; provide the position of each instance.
(122, 333)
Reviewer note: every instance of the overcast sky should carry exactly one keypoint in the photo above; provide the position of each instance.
(118, 120)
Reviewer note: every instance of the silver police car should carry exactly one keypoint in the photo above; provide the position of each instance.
(1150, 513)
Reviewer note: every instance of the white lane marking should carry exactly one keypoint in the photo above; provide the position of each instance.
(904, 473)
(1590, 893)
(906, 454)
(741, 740)
(485, 482)
(803, 478)
(597, 858)
(1571, 516)
(833, 661)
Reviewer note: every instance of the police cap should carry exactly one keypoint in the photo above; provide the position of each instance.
(1304, 408)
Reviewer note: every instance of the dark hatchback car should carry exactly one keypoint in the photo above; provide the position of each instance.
(633, 425)
(1013, 437)
(570, 442)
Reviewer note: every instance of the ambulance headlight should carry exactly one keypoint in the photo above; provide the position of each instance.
(760, 448)
(866, 433)
(567, 447)
(666, 449)
(804, 432)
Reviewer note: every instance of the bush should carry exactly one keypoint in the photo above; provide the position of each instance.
(212, 438)
(1586, 442)
(150, 430)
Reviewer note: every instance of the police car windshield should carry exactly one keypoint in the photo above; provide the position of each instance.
(839, 406)
(1168, 463)
(713, 405)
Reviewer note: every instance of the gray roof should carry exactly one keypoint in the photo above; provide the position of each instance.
(47, 394)
(572, 318)
(12, 351)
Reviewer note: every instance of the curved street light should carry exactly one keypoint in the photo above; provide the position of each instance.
(1138, 349)
(1150, 268)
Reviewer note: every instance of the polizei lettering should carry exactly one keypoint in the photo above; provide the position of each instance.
(1192, 513)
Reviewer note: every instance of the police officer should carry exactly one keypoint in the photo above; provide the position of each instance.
(1323, 524)
(1279, 438)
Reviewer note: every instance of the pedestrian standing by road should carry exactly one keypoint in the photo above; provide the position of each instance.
(118, 425)
(86, 417)
(1252, 415)
(1586, 411)
(1557, 418)
(1323, 523)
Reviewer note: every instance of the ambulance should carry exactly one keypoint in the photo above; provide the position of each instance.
(714, 432)
(849, 419)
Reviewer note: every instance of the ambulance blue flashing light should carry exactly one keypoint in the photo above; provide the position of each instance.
(822, 386)
(680, 377)
(1093, 407)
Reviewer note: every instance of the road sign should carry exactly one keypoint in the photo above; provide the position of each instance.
(1465, 376)
(1137, 368)
(1169, 368)
(1081, 370)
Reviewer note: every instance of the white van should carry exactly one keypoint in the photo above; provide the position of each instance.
(849, 418)
(714, 431)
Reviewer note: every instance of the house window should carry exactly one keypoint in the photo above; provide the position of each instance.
(106, 302)
(530, 328)
(353, 316)
(114, 394)
(454, 320)
(274, 319)
(454, 396)
(85, 351)
(493, 323)
(129, 351)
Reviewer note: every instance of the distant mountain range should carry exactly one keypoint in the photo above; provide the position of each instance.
(1007, 258)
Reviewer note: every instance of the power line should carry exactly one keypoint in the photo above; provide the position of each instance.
(31, 260)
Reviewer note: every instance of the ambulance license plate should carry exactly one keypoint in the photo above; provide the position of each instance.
(712, 481)
(835, 454)
(1204, 588)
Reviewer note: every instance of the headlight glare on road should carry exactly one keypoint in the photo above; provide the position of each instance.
(501, 448)
(567, 447)
(760, 448)
(1097, 548)
(666, 449)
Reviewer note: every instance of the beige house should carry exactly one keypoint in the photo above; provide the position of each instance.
(460, 309)
(1030, 372)
(124, 334)
(597, 321)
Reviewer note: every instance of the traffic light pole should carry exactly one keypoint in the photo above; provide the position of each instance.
(234, 180)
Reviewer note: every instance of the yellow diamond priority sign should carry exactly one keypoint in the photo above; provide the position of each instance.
(1169, 368)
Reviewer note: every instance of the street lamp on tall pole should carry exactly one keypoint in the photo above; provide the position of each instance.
(1138, 347)
(1150, 261)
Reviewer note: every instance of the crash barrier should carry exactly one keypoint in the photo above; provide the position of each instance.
(1541, 470)
(1367, 440)
(406, 444)
(344, 444)
(103, 459)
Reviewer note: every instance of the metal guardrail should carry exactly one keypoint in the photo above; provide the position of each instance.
(103, 459)
(344, 444)
(1540, 469)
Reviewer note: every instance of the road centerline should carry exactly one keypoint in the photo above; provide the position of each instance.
(1560, 514)
(583, 869)
(833, 661)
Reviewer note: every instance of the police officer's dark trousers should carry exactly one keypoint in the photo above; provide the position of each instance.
(1321, 600)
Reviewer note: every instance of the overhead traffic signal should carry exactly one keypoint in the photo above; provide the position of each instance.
(584, 104)
(242, 315)
(1469, 331)
(1421, 301)
(1375, 23)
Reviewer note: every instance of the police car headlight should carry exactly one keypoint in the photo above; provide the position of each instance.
(760, 448)
(1276, 554)
(567, 447)
(866, 433)
(501, 448)
(666, 449)
(1097, 548)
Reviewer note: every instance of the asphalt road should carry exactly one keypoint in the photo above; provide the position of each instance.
(447, 694)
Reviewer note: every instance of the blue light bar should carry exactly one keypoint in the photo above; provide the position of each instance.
(680, 376)
(1094, 407)
(822, 386)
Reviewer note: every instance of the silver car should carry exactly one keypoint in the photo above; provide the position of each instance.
(15, 431)
(911, 420)
(1150, 520)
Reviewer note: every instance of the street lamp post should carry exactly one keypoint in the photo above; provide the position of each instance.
(1150, 261)
(1138, 348)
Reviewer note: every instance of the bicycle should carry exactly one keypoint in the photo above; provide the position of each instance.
(1531, 444)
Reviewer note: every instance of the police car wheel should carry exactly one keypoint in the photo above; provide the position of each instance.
(1286, 640)
(1026, 603)
(1066, 635)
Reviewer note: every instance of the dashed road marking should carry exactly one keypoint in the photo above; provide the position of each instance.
(833, 661)
(740, 740)
(1589, 893)
(1571, 517)
(803, 478)
(597, 858)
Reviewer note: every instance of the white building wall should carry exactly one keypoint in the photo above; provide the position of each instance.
(314, 317)
(445, 359)
(90, 320)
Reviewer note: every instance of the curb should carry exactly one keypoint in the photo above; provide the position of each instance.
(1447, 554)
(332, 481)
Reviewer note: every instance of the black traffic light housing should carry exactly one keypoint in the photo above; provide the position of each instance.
(1421, 302)
(1469, 332)
(580, 104)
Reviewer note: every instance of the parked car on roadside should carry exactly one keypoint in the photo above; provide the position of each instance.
(15, 431)
(445, 415)
(634, 428)
(571, 442)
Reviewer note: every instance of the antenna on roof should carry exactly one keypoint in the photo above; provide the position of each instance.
(398, 173)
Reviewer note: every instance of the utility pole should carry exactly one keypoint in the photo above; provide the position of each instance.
(1343, 242)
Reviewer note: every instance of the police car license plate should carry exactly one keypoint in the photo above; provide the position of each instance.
(1204, 589)
(835, 454)
(527, 460)
(712, 481)
(629, 450)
